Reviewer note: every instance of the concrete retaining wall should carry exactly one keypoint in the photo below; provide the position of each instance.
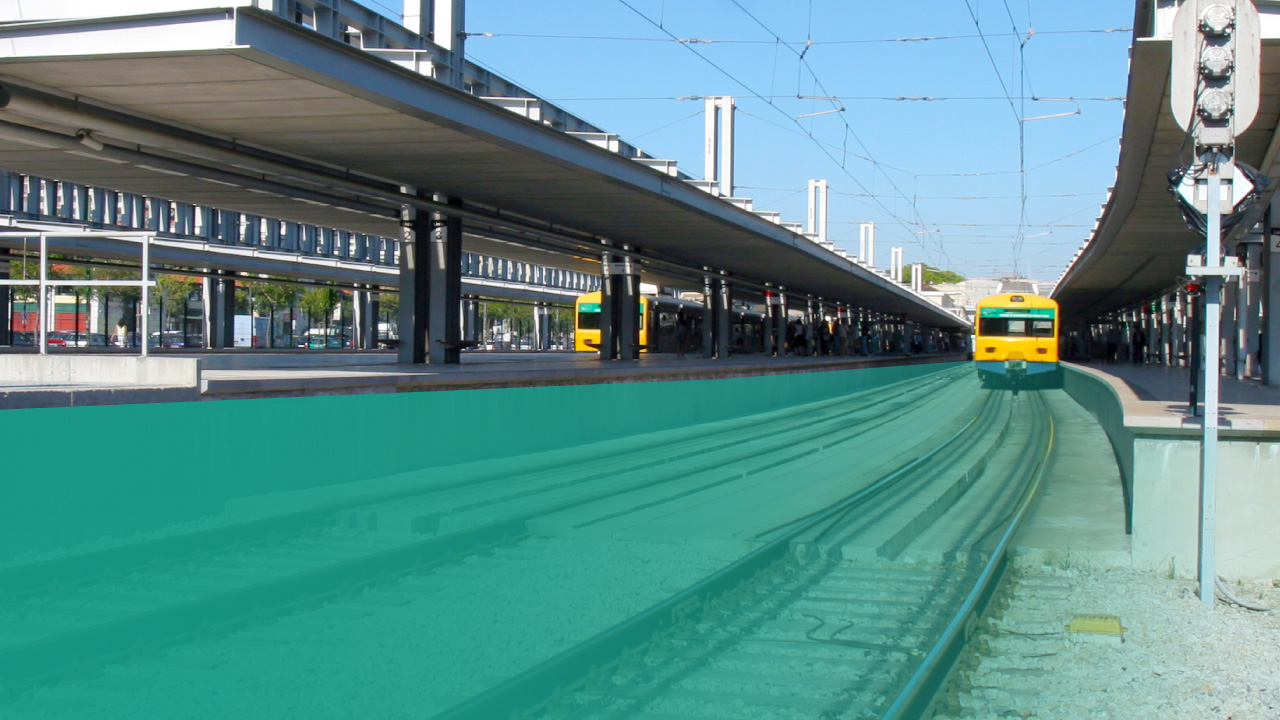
(106, 370)
(1101, 400)
(1161, 469)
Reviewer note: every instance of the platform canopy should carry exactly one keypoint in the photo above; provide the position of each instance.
(238, 108)
(1139, 246)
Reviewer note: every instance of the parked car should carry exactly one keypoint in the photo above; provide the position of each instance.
(22, 338)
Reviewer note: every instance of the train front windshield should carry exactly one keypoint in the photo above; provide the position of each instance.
(589, 316)
(1002, 322)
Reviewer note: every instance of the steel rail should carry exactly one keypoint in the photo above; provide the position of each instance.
(920, 691)
(538, 683)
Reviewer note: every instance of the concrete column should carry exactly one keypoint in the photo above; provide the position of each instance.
(6, 301)
(415, 230)
(444, 330)
(448, 23)
(708, 317)
(219, 295)
(1253, 306)
(724, 319)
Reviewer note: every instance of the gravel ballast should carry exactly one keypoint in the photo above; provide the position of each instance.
(1177, 660)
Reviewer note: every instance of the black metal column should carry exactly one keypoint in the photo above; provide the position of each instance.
(414, 283)
(780, 325)
(6, 297)
(724, 319)
(366, 320)
(219, 312)
(374, 313)
(809, 321)
(608, 310)
(708, 317)
(444, 326)
(470, 319)
(626, 278)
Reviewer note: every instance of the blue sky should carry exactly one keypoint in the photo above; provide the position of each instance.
(945, 181)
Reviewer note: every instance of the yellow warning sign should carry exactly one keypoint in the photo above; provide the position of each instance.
(1096, 625)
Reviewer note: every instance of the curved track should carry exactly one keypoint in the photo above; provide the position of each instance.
(858, 611)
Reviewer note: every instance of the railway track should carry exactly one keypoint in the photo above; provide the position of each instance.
(69, 617)
(858, 611)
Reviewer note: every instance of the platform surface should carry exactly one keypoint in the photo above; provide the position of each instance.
(239, 377)
(1156, 396)
(261, 374)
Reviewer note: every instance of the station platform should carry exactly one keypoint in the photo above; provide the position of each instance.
(1157, 447)
(267, 374)
(1158, 397)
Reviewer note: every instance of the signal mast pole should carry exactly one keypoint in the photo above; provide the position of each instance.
(1214, 96)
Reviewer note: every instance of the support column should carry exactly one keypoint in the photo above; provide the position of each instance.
(375, 311)
(1181, 355)
(365, 307)
(1230, 328)
(608, 310)
(724, 319)
(627, 296)
(219, 295)
(808, 328)
(1271, 303)
(470, 319)
(619, 309)
(708, 318)
(6, 297)
(414, 283)
(444, 332)
(1251, 324)
(541, 327)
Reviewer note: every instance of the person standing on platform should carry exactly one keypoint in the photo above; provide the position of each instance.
(1139, 340)
(1113, 343)
(842, 338)
(680, 331)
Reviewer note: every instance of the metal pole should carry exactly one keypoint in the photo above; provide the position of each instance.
(146, 292)
(1211, 352)
(42, 309)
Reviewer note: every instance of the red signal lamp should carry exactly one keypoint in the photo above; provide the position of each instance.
(1193, 288)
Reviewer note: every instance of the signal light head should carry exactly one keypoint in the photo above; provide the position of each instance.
(1193, 288)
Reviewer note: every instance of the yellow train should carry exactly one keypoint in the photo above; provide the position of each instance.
(1016, 341)
(659, 315)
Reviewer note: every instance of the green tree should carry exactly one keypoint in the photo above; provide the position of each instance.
(269, 298)
(319, 302)
(934, 276)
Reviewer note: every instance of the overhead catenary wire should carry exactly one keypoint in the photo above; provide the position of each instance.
(733, 78)
(743, 41)
(839, 108)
